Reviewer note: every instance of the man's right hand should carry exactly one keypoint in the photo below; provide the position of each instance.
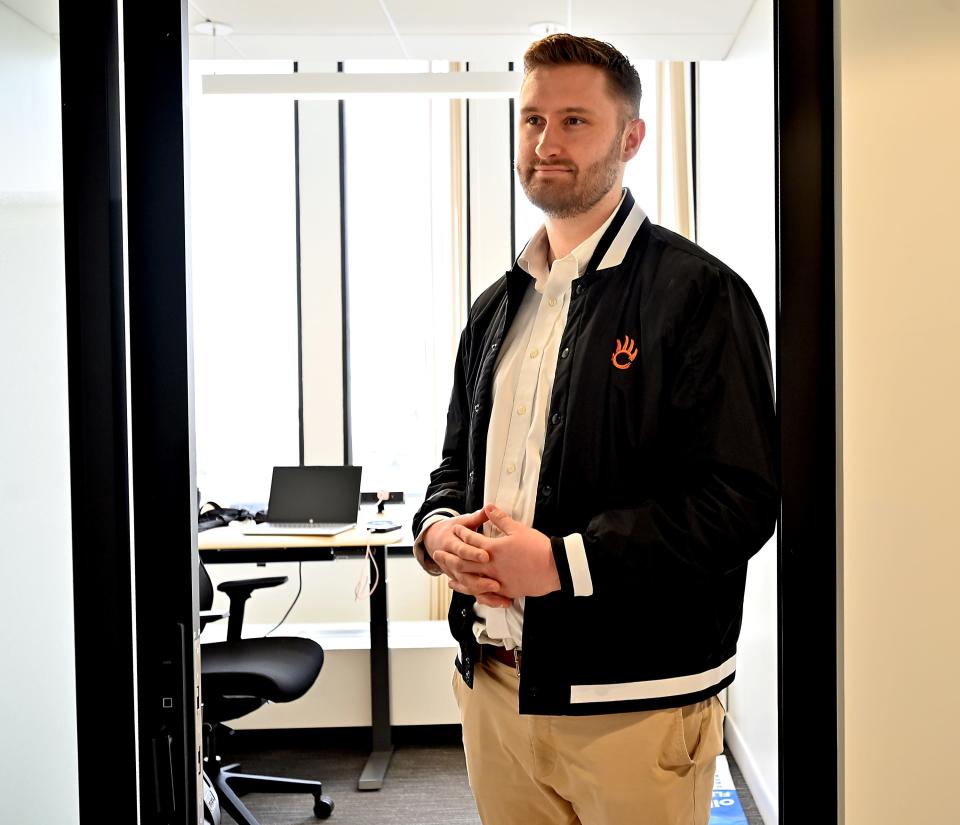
(449, 552)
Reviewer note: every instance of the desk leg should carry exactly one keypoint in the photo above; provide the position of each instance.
(375, 770)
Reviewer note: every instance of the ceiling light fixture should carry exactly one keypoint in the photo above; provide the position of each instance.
(546, 27)
(340, 85)
(213, 27)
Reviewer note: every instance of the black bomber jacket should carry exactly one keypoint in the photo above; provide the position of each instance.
(660, 451)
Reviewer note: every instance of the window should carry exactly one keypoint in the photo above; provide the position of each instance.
(244, 286)
(404, 284)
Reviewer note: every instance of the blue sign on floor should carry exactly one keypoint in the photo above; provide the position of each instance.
(725, 809)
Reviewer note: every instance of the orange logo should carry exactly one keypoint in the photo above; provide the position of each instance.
(626, 347)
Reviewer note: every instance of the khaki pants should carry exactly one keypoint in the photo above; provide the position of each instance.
(643, 768)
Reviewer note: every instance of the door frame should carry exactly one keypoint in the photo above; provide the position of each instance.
(125, 156)
(134, 508)
(807, 371)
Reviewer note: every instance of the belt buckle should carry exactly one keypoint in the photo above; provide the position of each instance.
(507, 657)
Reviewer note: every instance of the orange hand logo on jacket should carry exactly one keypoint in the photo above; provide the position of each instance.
(626, 347)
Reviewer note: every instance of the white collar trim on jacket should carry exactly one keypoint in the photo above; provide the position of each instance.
(533, 256)
(618, 249)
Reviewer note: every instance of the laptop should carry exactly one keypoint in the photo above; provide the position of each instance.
(311, 501)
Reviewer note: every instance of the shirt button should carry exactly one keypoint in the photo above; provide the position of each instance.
(511, 468)
(546, 490)
(556, 418)
(476, 408)
(493, 346)
(534, 353)
(552, 302)
(565, 352)
(521, 410)
(470, 475)
(578, 289)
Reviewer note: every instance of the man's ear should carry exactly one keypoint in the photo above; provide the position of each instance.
(633, 135)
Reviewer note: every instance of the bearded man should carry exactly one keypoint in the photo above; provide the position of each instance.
(607, 471)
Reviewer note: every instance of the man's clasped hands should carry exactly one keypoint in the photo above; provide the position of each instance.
(495, 570)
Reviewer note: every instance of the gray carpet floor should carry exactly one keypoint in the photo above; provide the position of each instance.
(426, 783)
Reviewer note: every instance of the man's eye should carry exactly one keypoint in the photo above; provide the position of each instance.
(534, 120)
(575, 121)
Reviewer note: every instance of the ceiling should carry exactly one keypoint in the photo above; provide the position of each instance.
(492, 31)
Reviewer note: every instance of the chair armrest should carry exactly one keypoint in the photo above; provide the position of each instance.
(249, 585)
(239, 591)
(207, 616)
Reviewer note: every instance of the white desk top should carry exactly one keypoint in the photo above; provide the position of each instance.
(231, 537)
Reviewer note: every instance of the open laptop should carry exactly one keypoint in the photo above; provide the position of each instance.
(311, 501)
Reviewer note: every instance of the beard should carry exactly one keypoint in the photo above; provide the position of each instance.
(576, 194)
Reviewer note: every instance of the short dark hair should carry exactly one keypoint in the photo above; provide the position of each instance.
(569, 49)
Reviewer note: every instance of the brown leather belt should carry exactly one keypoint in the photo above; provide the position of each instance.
(501, 654)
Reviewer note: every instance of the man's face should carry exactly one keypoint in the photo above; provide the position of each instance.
(574, 139)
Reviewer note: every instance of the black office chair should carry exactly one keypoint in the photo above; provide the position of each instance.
(238, 676)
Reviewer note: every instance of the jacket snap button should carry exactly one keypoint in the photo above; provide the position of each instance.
(565, 352)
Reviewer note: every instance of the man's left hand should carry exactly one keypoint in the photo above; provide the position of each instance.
(521, 560)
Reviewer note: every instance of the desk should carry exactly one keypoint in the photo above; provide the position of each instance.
(229, 544)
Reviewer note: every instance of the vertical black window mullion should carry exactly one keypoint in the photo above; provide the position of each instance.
(344, 283)
(296, 190)
(513, 179)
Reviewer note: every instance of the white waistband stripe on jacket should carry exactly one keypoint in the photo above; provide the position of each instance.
(655, 688)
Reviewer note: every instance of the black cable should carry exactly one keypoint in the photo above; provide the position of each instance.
(295, 598)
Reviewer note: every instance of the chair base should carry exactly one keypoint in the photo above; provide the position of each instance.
(230, 785)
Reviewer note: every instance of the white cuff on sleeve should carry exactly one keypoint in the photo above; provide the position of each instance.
(419, 550)
(579, 569)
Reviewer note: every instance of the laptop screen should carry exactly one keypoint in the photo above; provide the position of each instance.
(321, 494)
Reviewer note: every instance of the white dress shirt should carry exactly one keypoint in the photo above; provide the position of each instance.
(522, 388)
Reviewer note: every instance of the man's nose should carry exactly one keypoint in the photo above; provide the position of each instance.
(548, 145)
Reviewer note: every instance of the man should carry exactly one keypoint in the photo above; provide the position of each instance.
(608, 469)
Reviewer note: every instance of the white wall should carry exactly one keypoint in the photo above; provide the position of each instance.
(736, 210)
(900, 173)
(38, 757)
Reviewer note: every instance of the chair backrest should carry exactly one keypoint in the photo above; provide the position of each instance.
(206, 589)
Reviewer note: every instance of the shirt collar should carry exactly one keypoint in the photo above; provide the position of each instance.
(533, 259)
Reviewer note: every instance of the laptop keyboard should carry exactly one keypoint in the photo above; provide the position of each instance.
(303, 525)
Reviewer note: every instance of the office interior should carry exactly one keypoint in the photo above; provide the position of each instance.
(379, 329)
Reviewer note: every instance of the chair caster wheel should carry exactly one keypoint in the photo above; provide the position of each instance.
(322, 807)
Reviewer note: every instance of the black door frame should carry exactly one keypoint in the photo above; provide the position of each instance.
(151, 123)
(128, 302)
(807, 406)
(161, 402)
(96, 357)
